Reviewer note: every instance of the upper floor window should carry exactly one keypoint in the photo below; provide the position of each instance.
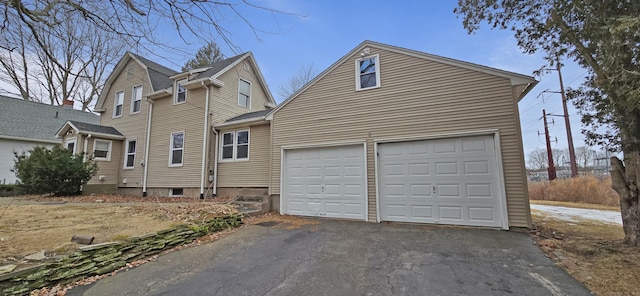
(235, 145)
(368, 72)
(181, 92)
(176, 149)
(136, 99)
(244, 93)
(102, 150)
(119, 102)
(130, 155)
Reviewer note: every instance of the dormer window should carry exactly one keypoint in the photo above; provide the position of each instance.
(244, 93)
(181, 92)
(368, 72)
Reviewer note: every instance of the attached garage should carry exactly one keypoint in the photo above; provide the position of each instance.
(438, 142)
(325, 182)
(442, 181)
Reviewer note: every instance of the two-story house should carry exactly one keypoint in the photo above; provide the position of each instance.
(357, 142)
(158, 131)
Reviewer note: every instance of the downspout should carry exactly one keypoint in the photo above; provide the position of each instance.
(146, 150)
(205, 134)
(84, 149)
(215, 164)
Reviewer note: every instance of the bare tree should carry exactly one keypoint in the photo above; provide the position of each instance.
(55, 50)
(584, 156)
(73, 67)
(206, 55)
(560, 157)
(538, 159)
(304, 75)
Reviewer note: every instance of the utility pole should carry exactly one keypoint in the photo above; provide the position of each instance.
(552, 168)
(572, 152)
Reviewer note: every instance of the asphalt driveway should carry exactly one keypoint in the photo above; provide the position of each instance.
(349, 258)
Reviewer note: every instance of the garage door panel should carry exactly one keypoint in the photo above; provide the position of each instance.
(331, 185)
(463, 172)
(446, 168)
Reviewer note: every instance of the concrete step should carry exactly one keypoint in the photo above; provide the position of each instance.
(249, 208)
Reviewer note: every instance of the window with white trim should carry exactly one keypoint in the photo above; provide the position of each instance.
(368, 72)
(176, 149)
(102, 150)
(181, 92)
(119, 102)
(235, 145)
(136, 99)
(130, 154)
(71, 145)
(176, 192)
(244, 93)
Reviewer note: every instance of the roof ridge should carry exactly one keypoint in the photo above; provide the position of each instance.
(154, 65)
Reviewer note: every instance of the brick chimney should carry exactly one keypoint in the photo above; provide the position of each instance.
(67, 103)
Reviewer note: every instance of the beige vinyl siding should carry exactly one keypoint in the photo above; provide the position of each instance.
(107, 168)
(166, 119)
(225, 99)
(132, 126)
(252, 173)
(417, 98)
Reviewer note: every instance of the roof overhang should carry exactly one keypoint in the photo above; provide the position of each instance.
(70, 126)
(28, 139)
(244, 122)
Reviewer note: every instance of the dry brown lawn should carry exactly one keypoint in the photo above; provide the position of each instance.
(29, 225)
(596, 255)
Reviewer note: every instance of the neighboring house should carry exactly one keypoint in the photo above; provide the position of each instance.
(27, 124)
(155, 135)
(392, 134)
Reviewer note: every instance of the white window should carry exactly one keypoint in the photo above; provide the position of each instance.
(181, 92)
(136, 99)
(102, 150)
(368, 72)
(119, 102)
(71, 145)
(235, 145)
(130, 154)
(176, 149)
(244, 94)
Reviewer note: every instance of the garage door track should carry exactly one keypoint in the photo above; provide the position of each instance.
(349, 258)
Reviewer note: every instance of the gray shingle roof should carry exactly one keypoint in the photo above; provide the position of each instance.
(31, 120)
(218, 66)
(95, 128)
(249, 115)
(158, 74)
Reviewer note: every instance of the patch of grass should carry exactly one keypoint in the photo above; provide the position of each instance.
(584, 190)
(600, 260)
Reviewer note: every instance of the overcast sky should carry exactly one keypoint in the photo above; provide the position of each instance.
(324, 31)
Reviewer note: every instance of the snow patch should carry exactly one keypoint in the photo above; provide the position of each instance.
(575, 214)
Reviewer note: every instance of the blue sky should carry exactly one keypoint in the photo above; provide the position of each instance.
(326, 30)
(323, 31)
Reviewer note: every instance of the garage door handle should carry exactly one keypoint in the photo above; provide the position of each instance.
(434, 188)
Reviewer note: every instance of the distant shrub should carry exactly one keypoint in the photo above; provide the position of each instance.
(9, 190)
(586, 189)
(52, 171)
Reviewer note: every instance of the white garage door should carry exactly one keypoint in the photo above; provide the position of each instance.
(326, 182)
(444, 181)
